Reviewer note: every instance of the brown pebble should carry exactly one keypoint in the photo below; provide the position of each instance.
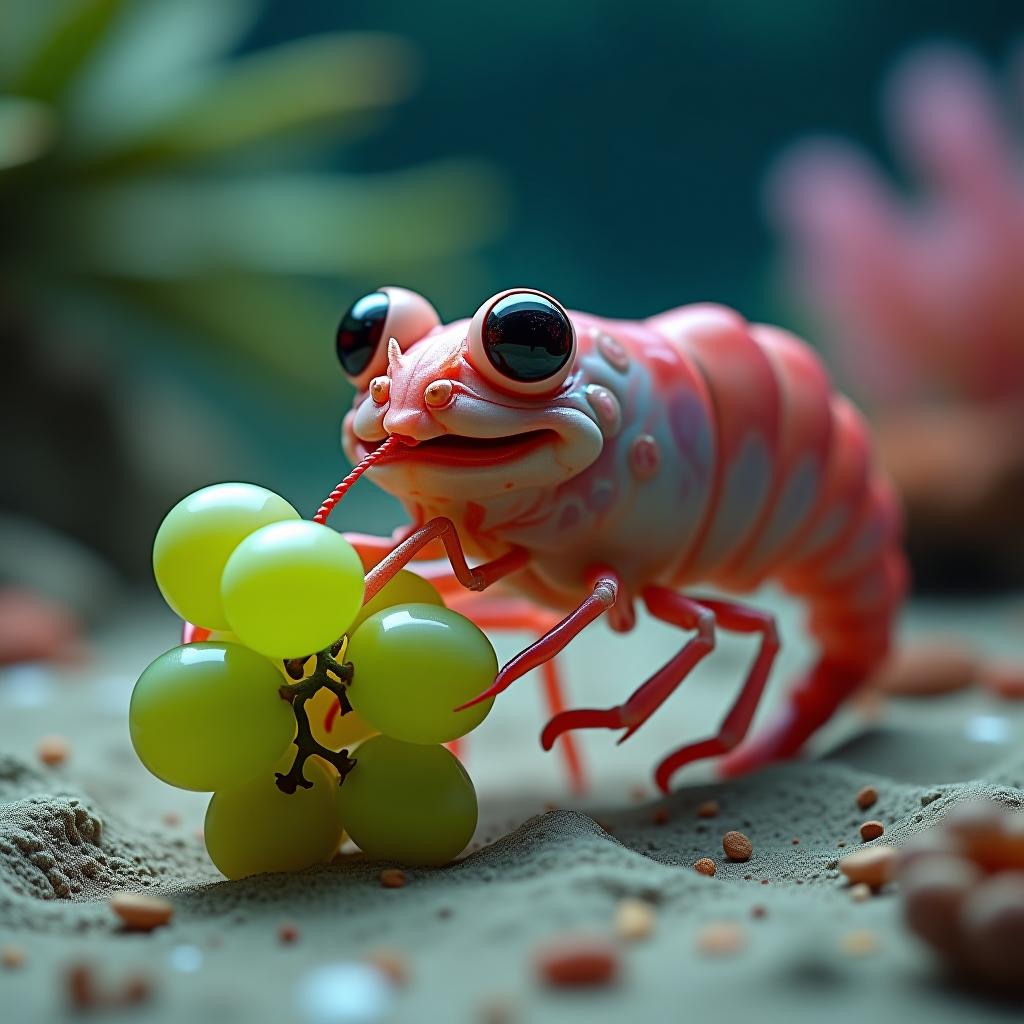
(927, 670)
(287, 934)
(860, 892)
(392, 964)
(12, 957)
(172, 818)
(53, 750)
(577, 962)
(1003, 678)
(873, 866)
(634, 919)
(137, 989)
(859, 943)
(139, 912)
(871, 830)
(795, 841)
(992, 920)
(498, 1010)
(638, 793)
(720, 939)
(706, 866)
(934, 891)
(866, 797)
(708, 809)
(80, 983)
(758, 910)
(737, 846)
(392, 878)
(660, 816)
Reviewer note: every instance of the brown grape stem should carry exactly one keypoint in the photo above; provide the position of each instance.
(329, 674)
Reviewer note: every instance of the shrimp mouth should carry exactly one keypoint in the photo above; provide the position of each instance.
(466, 451)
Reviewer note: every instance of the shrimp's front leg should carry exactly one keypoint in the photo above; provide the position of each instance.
(443, 529)
(605, 590)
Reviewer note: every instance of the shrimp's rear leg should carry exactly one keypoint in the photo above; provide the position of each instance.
(735, 618)
(807, 708)
(669, 607)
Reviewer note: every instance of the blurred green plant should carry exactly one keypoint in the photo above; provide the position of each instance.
(161, 183)
(143, 164)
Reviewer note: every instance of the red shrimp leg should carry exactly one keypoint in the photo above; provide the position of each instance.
(516, 614)
(606, 587)
(669, 607)
(737, 619)
(443, 529)
(807, 708)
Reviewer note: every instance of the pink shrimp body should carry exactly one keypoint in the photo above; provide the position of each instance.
(690, 448)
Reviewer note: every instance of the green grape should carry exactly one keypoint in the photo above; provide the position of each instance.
(196, 538)
(403, 588)
(255, 827)
(290, 589)
(414, 664)
(207, 716)
(407, 802)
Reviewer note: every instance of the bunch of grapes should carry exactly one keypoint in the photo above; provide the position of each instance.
(281, 641)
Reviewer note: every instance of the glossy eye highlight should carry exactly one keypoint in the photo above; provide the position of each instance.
(360, 333)
(523, 341)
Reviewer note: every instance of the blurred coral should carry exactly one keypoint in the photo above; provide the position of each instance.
(922, 300)
(157, 184)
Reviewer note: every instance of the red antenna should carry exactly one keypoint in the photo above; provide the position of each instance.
(358, 470)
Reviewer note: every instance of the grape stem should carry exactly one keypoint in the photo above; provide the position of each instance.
(329, 674)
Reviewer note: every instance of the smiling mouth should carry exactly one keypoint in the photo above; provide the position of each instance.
(455, 450)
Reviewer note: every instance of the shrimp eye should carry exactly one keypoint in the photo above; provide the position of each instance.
(360, 332)
(527, 337)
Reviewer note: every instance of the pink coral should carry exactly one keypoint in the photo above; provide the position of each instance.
(922, 297)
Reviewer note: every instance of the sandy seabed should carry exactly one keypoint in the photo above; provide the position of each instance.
(71, 836)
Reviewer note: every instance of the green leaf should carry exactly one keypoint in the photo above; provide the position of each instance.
(26, 131)
(277, 326)
(72, 40)
(257, 98)
(291, 224)
(153, 55)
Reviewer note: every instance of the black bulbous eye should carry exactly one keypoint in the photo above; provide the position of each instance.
(527, 337)
(360, 332)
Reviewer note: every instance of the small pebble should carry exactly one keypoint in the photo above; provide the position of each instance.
(871, 830)
(795, 841)
(577, 962)
(660, 816)
(1005, 679)
(287, 934)
(874, 866)
(720, 939)
(737, 846)
(634, 919)
(392, 878)
(172, 818)
(139, 912)
(706, 866)
(392, 964)
(927, 670)
(860, 892)
(498, 1010)
(53, 750)
(12, 957)
(758, 910)
(80, 983)
(137, 989)
(708, 809)
(866, 797)
(859, 943)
